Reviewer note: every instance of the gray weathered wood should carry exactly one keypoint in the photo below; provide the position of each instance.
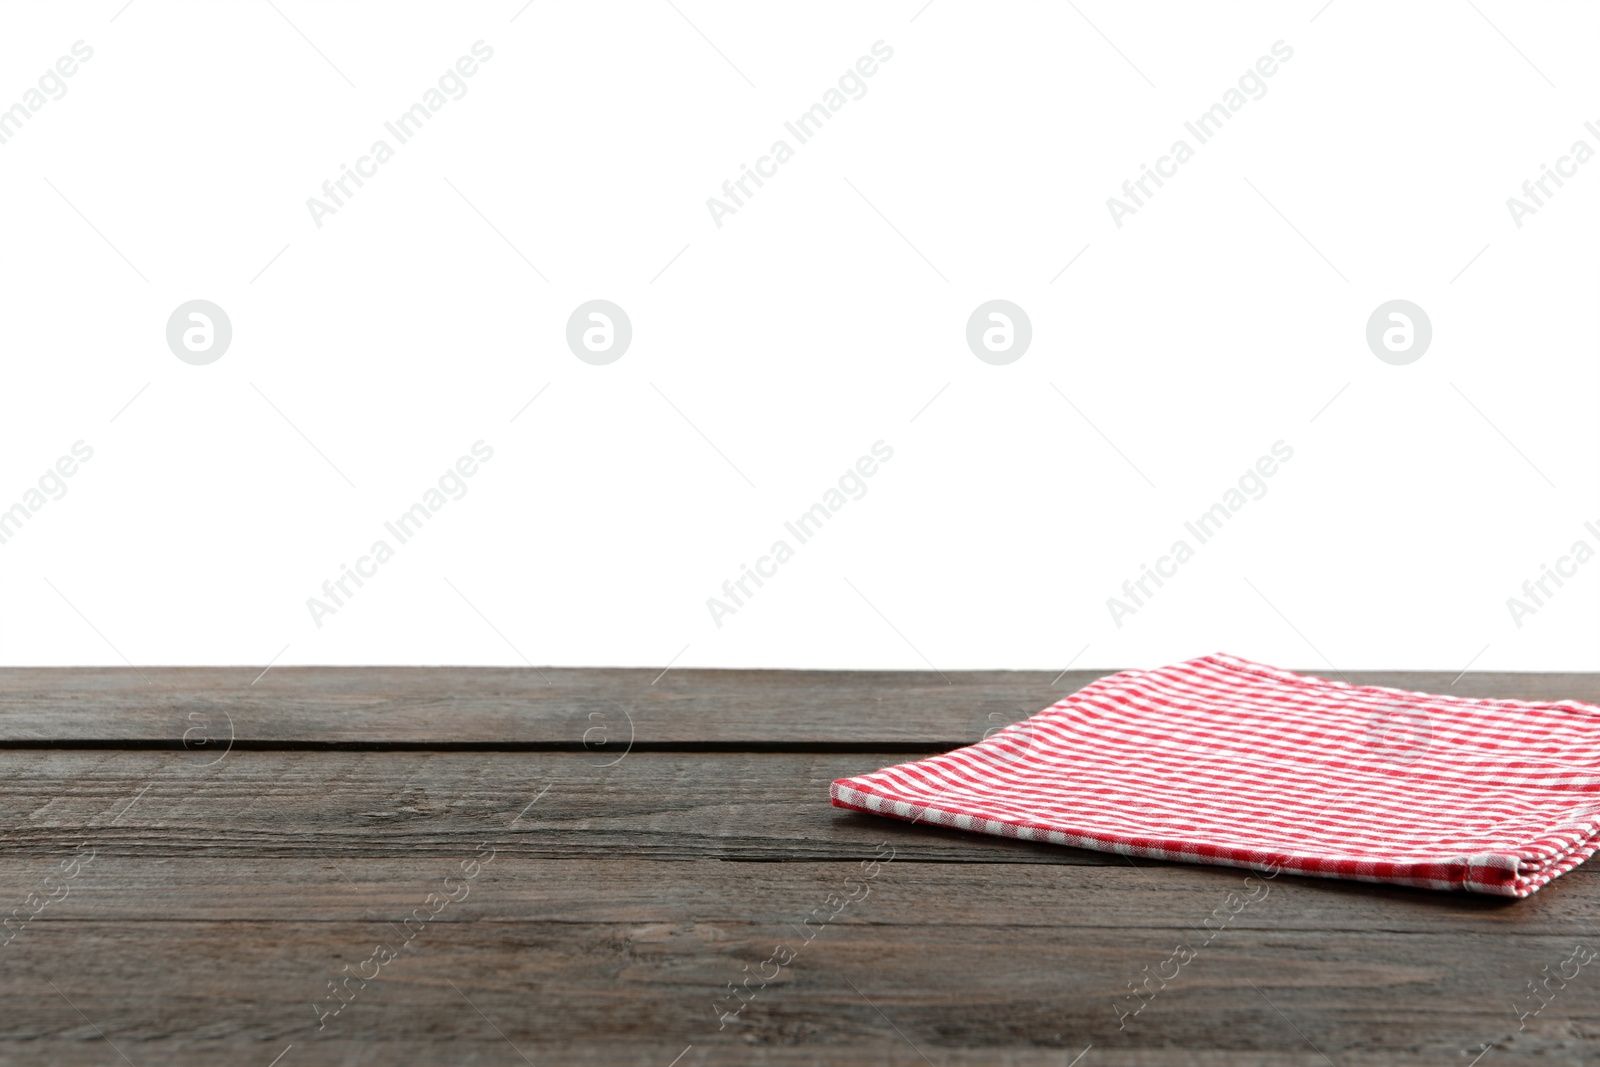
(230, 885)
(962, 961)
(649, 805)
(454, 706)
(748, 806)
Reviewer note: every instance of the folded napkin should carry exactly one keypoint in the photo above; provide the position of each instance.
(1220, 760)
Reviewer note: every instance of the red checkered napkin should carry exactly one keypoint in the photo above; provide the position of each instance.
(1220, 760)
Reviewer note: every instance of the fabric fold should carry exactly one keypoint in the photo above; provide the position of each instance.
(1223, 761)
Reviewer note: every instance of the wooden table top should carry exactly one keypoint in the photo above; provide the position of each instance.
(484, 866)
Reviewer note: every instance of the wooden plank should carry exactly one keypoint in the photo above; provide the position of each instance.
(447, 706)
(757, 806)
(454, 706)
(617, 960)
(749, 806)
(636, 885)
(106, 887)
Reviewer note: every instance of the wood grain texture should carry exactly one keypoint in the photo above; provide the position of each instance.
(752, 806)
(745, 806)
(441, 706)
(577, 960)
(629, 887)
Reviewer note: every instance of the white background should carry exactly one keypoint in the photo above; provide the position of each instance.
(822, 317)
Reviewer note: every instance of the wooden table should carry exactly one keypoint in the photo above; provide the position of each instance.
(607, 866)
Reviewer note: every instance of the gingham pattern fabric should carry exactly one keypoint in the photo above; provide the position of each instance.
(1220, 760)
